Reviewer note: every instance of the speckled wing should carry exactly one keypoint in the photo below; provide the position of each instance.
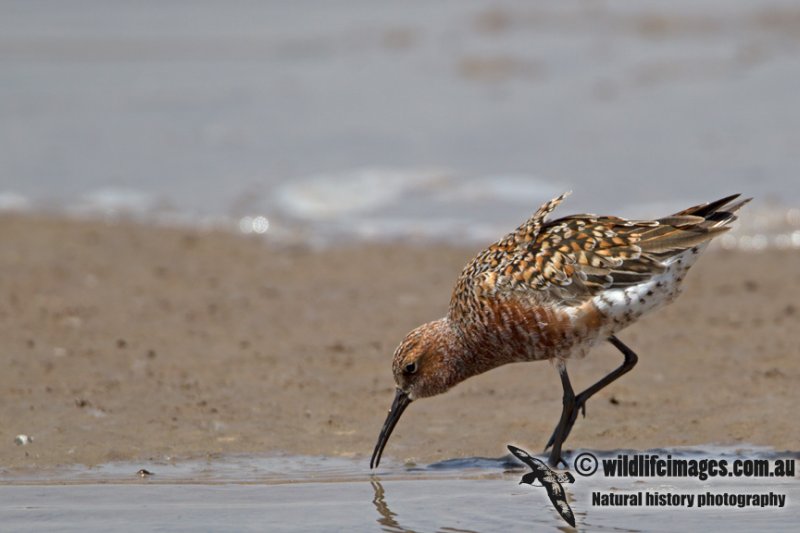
(537, 465)
(550, 480)
(575, 257)
(559, 500)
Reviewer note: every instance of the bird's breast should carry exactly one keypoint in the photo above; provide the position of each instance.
(511, 330)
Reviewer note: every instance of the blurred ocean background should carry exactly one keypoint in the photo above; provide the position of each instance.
(317, 121)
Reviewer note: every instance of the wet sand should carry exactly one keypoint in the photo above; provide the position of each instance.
(126, 342)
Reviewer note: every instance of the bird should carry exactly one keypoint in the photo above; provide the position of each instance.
(550, 480)
(549, 291)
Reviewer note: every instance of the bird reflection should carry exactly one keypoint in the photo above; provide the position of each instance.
(388, 519)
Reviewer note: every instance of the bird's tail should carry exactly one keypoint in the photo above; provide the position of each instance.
(716, 214)
(690, 227)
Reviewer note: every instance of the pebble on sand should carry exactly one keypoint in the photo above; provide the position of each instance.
(22, 440)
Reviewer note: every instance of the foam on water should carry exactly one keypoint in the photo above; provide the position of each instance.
(384, 204)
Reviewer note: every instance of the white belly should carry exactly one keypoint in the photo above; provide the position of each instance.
(624, 306)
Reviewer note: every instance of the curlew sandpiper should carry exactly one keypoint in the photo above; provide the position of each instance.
(550, 290)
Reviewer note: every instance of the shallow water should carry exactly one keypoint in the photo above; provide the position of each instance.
(321, 494)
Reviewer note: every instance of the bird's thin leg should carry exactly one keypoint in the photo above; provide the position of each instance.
(567, 414)
(580, 399)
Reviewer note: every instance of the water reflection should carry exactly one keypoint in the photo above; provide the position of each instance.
(388, 519)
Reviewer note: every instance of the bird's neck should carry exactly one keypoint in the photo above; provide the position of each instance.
(466, 355)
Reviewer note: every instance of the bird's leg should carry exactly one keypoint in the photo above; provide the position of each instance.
(627, 365)
(567, 414)
(580, 399)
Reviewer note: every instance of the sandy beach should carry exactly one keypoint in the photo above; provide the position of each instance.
(121, 341)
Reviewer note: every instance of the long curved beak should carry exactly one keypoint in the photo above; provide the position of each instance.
(401, 401)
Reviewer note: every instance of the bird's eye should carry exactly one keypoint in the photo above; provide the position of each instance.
(411, 368)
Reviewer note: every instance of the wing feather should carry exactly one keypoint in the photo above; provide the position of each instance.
(559, 500)
(575, 257)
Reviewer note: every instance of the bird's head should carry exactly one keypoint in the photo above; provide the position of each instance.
(425, 364)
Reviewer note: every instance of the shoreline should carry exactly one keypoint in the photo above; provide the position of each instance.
(123, 342)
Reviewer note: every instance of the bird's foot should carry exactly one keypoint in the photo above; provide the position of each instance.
(573, 415)
(579, 406)
(553, 462)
